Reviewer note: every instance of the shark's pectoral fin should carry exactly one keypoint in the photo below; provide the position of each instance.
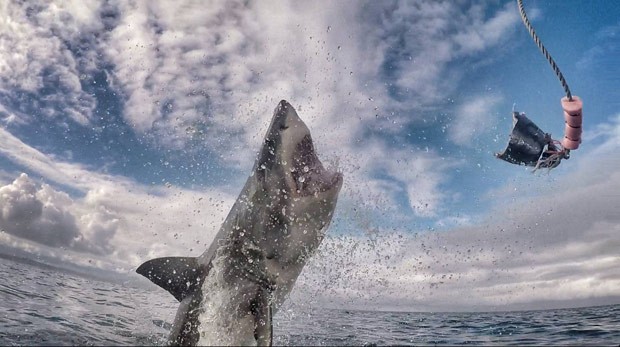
(263, 328)
(178, 275)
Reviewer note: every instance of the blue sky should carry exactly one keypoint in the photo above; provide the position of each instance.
(136, 124)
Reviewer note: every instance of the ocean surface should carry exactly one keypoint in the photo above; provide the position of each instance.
(42, 305)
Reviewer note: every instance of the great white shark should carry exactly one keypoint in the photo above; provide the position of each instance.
(229, 294)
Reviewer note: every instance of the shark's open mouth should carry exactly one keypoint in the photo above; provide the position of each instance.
(308, 173)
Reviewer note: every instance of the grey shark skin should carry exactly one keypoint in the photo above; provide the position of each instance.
(229, 294)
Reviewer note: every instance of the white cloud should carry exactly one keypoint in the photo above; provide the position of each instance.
(38, 70)
(155, 223)
(535, 255)
(9, 117)
(38, 213)
(609, 131)
(214, 74)
(378, 177)
(422, 175)
(432, 35)
(472, 119)
(118, 219)
(217, 74)
(20, 153)
(603, 49)
(117, 224)
(454, 221)
(486, 32)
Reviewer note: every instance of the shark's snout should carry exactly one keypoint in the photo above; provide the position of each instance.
(284, 104)
(286, 116)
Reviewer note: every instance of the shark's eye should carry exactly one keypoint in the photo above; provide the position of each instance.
(283, 127)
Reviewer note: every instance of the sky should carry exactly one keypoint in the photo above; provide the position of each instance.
(127, 129)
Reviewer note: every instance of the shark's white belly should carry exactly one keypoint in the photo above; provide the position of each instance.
(224, 319)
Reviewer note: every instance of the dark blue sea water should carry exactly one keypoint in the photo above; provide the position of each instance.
(46, 306)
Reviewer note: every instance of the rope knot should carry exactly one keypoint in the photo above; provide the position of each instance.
(553, 155)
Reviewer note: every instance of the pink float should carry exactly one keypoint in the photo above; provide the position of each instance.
(573, 119)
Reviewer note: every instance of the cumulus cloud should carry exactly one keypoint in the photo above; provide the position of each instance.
(153, 223)
(119, 226)
(38, 213)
